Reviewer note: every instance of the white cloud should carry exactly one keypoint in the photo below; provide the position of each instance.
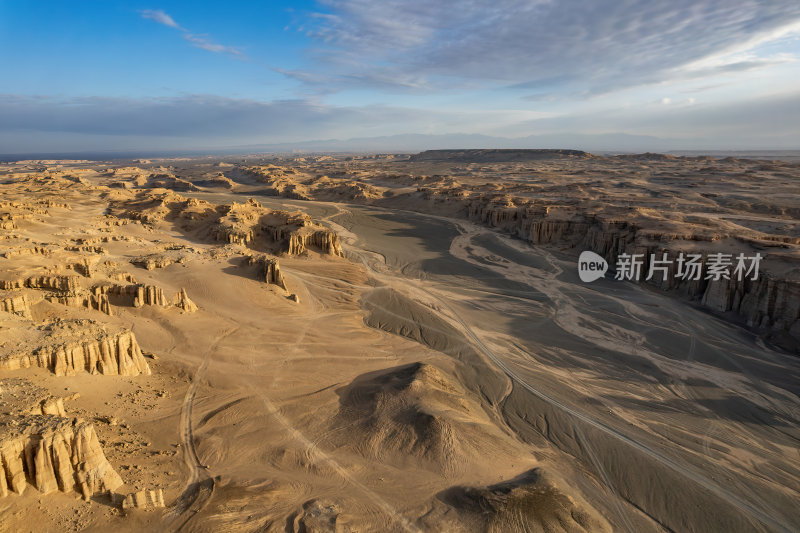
(196, 40)
(160, 17)
(201, 41)
(573, 45)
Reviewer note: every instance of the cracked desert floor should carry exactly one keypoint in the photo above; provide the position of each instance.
(396, 343)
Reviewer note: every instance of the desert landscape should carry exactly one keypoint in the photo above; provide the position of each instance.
(397, 342)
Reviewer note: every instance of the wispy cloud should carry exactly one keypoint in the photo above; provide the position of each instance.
(202, 41)
(160, 17)
(197, 40)
(591, 46)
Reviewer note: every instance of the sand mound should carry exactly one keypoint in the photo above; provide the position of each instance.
(535, 501)
(315, 517)
(391, 311)
(416, 412)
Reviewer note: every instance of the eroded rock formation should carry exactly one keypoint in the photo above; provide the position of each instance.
(246, 224)
(55, 283)
(100, 353)
(767, 303)
(54, 453)
(16, 304)
(325, 240)
(103, 296)
(40, 446)
(95, 299)
(184, 303)
(144, 499)
(269, 270)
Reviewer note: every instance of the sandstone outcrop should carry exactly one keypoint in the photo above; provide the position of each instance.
(54, 283)
(40, 446)
(84, 267)
(103, 296)
(571, 199)
(144, 499)
(281, 181)
(219, 180)
(171, 254)
(20, 396)
(184, 303)
(298, 241)
(93, 351)
(53, 453)
(149, 295)
(246, 224)
(315, 516)
(168, 181)
(766, 303)
(16, 304)
(95, 299)
(7, 222)
(33, 250)
(151, 262)
(269, 270)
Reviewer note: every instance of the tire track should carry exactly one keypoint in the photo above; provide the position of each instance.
(199, 488)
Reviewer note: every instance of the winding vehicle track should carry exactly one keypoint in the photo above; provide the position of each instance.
(199, 488)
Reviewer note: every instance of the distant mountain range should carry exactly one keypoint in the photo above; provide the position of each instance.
(412, 143)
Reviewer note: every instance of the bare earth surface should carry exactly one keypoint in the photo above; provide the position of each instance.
(395, 343)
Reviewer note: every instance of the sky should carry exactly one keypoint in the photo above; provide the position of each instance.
(130, 76)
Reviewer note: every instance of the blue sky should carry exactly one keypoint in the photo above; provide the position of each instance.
(104, 75)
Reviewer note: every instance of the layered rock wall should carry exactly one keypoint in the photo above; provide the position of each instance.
(298, 242)
(53, 283)
(54, 453)
(144, 499)
(118, 354)
(18, 305)
(269, 270)
(766, 303)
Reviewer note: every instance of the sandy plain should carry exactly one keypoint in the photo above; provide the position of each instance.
(422, 357)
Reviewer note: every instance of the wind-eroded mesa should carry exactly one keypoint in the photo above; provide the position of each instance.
(397, 343)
